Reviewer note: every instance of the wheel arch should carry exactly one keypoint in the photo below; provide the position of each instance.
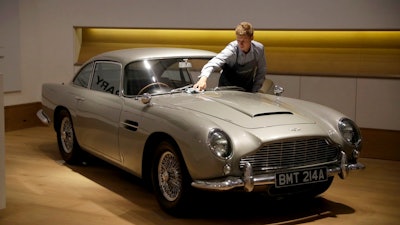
(56, 116)
(150, 146)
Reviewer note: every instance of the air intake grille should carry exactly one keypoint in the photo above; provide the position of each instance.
(292, 153)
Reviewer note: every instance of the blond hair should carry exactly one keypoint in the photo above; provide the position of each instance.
(244, 29)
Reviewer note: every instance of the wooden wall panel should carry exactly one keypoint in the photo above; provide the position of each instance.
(21, 116)
(380, 144)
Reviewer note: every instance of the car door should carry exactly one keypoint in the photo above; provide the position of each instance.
(99, 109)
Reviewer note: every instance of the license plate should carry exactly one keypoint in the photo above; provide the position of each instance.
(299, 177)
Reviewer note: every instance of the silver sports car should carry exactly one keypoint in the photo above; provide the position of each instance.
(136, 109)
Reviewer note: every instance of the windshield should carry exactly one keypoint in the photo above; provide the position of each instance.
(160, 76)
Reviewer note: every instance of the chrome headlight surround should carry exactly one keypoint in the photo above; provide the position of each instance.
(350, 132)
(219, 144)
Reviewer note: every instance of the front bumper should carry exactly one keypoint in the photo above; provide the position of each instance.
(249, 181)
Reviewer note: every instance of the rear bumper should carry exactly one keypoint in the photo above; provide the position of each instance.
(249, 181)
(43, 117)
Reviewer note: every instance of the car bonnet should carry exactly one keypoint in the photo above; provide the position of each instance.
(247, 110)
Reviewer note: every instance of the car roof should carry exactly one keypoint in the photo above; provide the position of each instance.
(128, 55)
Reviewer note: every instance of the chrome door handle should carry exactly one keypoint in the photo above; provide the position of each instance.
(79, 98)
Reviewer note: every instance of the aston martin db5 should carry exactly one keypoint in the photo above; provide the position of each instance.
(137, 109)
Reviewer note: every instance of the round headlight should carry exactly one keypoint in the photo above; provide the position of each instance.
(219, 144)
(350, 131)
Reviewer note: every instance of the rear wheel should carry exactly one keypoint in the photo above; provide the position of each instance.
(170, 179)
(67, 144)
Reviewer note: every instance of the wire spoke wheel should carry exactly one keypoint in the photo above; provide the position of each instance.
(170, 179)
(67, 135)
(67, 142)
(169, 176)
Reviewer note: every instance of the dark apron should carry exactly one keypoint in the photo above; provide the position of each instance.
(239, 75)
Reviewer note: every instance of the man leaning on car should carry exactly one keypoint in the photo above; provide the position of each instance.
(242, 62)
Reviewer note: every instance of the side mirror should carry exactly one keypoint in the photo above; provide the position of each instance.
(278, 90)
(146, 98)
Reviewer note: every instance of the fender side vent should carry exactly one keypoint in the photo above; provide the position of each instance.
(130, 125)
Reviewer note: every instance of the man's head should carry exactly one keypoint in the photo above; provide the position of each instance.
(244, 35)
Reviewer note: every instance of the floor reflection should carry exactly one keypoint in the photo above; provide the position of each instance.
(213, 207)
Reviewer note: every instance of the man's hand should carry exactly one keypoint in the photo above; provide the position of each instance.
(201, 84)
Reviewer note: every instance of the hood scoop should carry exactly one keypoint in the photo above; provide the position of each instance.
(273, 113)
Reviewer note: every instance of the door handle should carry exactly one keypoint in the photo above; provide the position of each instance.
(80, 99)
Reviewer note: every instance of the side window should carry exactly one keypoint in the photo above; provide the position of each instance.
(82, 78)
(106, 77)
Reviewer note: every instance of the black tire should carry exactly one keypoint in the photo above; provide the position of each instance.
(170, 179)
(67, 143)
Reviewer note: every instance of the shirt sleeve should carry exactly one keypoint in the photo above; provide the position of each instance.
(261, 67)
(226, 56)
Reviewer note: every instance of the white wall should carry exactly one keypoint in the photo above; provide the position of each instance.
(46, 38)
(9, 45)
(372, 103)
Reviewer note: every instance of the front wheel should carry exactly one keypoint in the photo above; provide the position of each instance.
(67, 143)
(170, 179)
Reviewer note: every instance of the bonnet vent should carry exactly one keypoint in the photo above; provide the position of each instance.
(273, 113)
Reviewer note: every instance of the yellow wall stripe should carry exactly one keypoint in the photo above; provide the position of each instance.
(328, 53)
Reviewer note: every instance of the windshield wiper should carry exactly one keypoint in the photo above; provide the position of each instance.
(181, 89)
(224, 88)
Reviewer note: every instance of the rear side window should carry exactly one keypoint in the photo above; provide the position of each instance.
(82, 78)
(106, 77)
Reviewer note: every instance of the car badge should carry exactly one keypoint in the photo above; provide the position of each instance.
(295, 129)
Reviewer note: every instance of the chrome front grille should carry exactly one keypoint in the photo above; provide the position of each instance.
(292, 153)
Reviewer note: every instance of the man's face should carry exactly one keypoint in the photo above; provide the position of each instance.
(244, 43)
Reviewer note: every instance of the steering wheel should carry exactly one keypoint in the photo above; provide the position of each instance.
(152, 84)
